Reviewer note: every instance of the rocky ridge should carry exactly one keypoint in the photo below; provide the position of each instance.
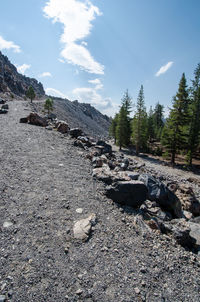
(15, 83)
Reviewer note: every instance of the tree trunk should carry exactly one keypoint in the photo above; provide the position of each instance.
(173, 158)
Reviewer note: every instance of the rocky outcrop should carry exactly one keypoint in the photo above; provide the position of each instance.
(14, 82)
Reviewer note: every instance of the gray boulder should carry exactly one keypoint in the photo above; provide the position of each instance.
(131, 193)
(63, 127)
(75, 132)
(3, 111)
(195, 233)
(106, 148)
(5, 106)
(23, 120)
(158, 192)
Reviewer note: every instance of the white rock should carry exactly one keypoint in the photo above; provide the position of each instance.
(82, 227)
(7, 224)
(79, 210)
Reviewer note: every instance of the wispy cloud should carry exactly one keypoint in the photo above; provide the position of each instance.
(8, 45)
(164, 68)
(76, 18)
(22, 68)
(55, 92)
(45, 74)
(97, 83)
(90, 95)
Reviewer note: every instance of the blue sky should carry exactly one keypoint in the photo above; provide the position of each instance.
(94, 50)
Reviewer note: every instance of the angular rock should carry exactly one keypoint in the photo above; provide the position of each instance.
(132, 193)
(2, 101)
(23, 120)
(3, 111)
(82, 228)
(106, 147)
(75, 132)
(37, 120)
(51, 116)
(5, 106)
(63, 127)
(133, 176)
(107, 176)
(85, 140)
(158, 192)
(195, 233)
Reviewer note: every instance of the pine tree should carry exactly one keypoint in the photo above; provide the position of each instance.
(158, 121)
(139, 124)
(194, 116)
(113, 127)
(48, 105)
(151, 132)
(123, 128)
(30, 93)
(174, 134)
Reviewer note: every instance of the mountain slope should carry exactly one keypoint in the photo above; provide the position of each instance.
(14, 82)
(80, 115)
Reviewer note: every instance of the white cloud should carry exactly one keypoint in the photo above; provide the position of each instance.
(76, 18)
(96, 82)
(90, 95)
(164, 68)
(45, 74)
(9, 45)
(55, 92)
(61, 60)
(22, 68)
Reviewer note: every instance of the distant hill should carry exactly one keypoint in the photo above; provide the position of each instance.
(14, 82)
(80, 115)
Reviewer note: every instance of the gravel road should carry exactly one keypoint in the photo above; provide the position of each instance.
(44, 180)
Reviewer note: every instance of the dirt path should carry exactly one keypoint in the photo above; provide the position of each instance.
(44, 179)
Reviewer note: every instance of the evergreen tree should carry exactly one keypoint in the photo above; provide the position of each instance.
(30, 93)
(113, 127)
(123, 127)
(151, 132)
(139, 124)
(48, 105)
(158, 121)
(174, 133)
(194, 116)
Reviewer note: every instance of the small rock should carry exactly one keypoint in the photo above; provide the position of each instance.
(83, 227)
(137, 291)
(7, 224)
(79, 210)
(2, 298)
(79, 291)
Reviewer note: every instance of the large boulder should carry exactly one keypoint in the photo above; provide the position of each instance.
(158, 192)
(107, 176)
(188, 199)
(105, 148)
(195, 233)
(131, 193)
(37, 120)
(75, 132)
(63, 127)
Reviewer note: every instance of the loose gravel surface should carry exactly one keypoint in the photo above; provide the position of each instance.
(44, 180)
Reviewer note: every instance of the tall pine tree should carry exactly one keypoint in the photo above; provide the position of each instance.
(139, 123)
(194, 116)
(123, 128)
(174, 133)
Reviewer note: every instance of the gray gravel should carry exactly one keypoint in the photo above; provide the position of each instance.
(44, 180)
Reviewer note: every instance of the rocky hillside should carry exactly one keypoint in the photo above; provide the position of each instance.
(81, 115)
(14, 82)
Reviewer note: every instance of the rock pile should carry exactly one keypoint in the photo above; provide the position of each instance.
(168, 208)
